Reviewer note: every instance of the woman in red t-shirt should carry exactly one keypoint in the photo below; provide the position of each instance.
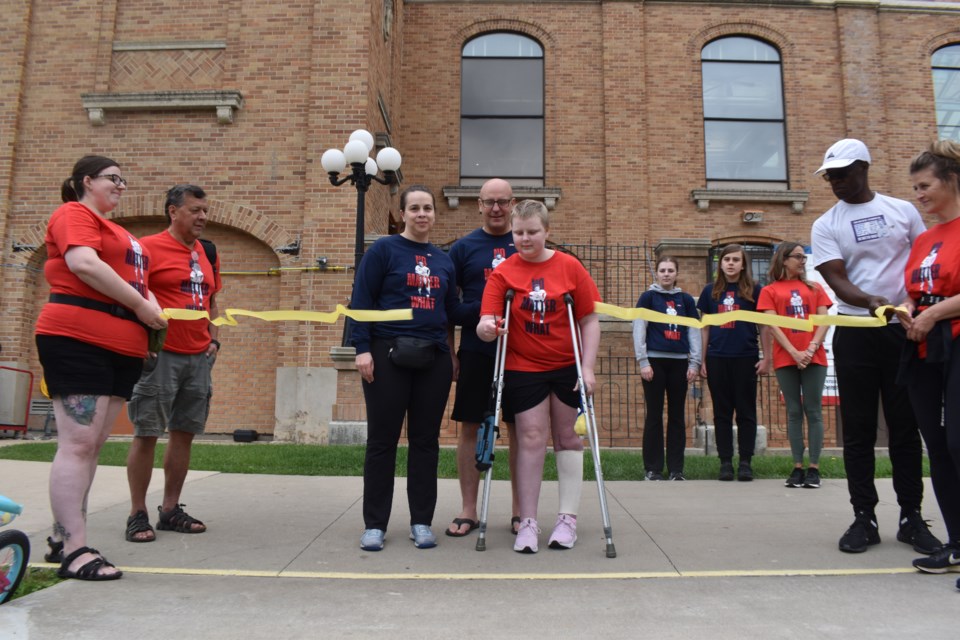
(91, 340)
(799, 359)
(540, 383)
(933, 376)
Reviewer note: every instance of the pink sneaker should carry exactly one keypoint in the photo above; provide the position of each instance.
(564, 534)
(527, 541)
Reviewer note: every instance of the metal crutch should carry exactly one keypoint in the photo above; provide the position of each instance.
(591, 420)
(489, 429)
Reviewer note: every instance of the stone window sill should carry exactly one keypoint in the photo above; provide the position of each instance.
(702, 197)
(549, 195)
(224, 102)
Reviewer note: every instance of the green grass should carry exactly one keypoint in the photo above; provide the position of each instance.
(313, 460)
(35, 580)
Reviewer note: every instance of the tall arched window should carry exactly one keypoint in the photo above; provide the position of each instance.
(946, 90)
(501, 110)
(743, 115)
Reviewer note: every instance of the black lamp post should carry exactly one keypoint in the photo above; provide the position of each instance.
(363, 173)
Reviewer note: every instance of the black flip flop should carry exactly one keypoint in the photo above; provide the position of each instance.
(460, 522)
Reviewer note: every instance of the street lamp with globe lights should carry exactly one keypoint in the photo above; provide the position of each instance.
(363, 172)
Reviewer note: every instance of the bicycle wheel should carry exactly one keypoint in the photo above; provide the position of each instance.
(14, 555)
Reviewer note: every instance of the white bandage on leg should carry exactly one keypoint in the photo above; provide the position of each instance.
(570, 476)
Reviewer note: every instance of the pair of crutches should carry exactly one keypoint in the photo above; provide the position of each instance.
(489, 428)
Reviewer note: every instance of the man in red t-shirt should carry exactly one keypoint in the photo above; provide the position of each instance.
(174, 391)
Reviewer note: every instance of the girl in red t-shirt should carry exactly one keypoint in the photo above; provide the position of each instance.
(540, 385)
(91, 341)
(799, 358)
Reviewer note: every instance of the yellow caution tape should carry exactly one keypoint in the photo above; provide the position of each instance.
(769, 319)
(230, 315)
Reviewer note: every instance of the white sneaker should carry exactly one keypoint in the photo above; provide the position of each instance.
(527, 541)
(564, 534)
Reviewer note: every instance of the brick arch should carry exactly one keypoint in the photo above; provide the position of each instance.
(258, 225)
(927, 49)
(754, 28)
(532, 29)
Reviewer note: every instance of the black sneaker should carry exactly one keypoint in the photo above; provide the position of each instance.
(947, 559)
(861, 534)
(744, 472)
(726, 472)
(677, 476)
(653, 475)
(812, 479)
(914, 531)
(796, 478)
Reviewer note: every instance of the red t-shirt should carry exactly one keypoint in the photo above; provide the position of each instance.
(539, 333)
(794, 299)
(75, 225)
(933, 268)
(182, 278)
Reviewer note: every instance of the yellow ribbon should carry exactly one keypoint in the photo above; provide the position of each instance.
(229, 316)
(769, 319)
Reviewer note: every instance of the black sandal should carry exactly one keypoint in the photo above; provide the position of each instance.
(515, 520)
(139, 523)
(89, 571)
(55, 555)
(177, 520)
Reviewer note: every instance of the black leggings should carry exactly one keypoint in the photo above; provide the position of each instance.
(420, 396)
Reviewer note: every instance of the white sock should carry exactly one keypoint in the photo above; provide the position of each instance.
(570, 476)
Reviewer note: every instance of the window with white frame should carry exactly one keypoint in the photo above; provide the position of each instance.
(946, 91)
(501, 110)
(743, 114)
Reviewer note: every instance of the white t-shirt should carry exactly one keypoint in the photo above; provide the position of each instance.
(873, 240)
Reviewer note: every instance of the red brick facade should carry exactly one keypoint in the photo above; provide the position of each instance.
(623, 120)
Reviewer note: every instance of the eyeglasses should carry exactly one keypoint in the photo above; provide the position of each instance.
(114, 178)
(488, 204)
(838, 174)
(802, 257)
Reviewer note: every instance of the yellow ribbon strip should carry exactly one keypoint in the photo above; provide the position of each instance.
(230, 315)
(769, 319)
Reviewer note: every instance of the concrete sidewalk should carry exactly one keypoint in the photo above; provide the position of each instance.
(281, 560)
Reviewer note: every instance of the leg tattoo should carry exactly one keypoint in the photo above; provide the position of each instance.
(82, 408)
(60, 532)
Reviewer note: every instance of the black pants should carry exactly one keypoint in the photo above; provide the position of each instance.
(733, 387)
(933, 389)
(866, 361)
(421, 397)
(670, 378)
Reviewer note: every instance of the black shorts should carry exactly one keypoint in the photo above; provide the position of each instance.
(472, 400)
(524, 390)
(71, 367)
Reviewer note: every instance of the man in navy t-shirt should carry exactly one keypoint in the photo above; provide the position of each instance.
(474, 257)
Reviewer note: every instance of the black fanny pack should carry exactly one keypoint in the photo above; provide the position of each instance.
(97, 305)
(412, 353)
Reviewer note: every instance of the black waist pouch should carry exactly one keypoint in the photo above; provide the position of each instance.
(412, 353)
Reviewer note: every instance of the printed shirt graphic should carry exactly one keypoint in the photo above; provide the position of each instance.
(933, 269)
(540, 338)
(74, 225)
(730, 339)
(182, 278)
(424, 283)
(794, 299)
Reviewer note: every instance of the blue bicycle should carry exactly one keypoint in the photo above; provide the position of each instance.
(14, 550)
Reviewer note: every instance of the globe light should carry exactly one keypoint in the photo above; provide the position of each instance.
(364, 136)
(389, 159)
(370, 167)
(333, 161)
(355, 152)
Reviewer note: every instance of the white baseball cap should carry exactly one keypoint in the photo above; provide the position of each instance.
(843, 154)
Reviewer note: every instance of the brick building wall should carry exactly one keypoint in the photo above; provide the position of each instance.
(623, 138)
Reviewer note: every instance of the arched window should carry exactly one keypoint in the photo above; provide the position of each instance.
(946, 90)
(743, 115)
(501, 110)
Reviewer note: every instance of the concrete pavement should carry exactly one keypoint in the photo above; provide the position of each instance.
(281, 559)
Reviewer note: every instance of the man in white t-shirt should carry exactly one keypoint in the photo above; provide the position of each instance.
(860, 247)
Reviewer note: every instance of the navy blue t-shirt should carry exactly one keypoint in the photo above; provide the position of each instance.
(397, 273)
(733, 339)
(668, 338)
(475, 256)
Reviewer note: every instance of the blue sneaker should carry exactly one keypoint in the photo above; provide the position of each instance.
(422, 536)
(372, 540)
